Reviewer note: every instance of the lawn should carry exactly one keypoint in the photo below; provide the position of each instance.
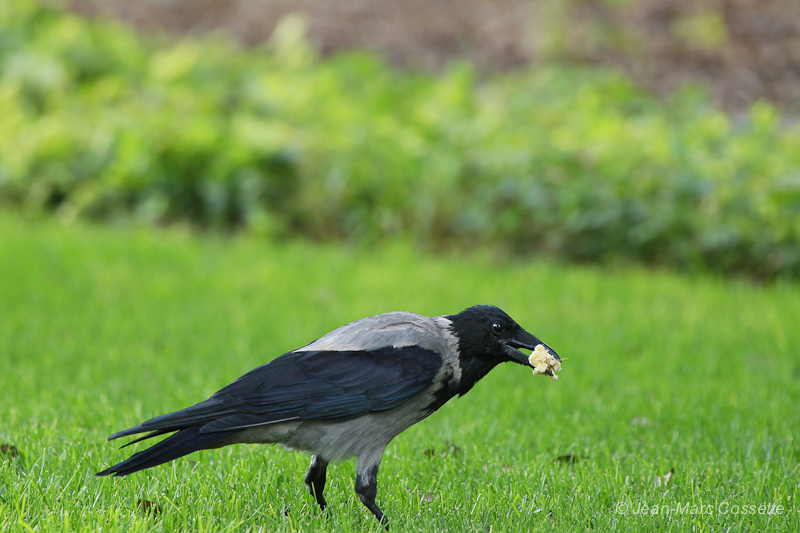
(677, 393)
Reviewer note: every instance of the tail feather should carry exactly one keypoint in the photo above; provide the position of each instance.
(196, 415)
(148, 436)
(176, 445)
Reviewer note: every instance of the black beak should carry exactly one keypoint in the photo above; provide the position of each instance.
(525, 340)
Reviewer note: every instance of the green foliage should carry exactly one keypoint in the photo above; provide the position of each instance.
(99, 122)
(102, 329)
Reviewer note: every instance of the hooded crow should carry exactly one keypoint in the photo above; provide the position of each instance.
(347, 394)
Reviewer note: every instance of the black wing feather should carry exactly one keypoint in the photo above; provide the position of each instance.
(308, 385)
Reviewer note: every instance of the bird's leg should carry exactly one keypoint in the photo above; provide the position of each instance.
(367, 485)
(315, 480)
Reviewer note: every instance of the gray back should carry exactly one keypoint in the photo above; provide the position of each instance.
(396, 329)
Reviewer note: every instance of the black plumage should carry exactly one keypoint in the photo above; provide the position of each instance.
(346, 394)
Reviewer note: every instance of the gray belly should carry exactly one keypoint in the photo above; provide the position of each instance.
(340, 440)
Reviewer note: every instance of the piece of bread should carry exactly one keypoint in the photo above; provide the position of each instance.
(543, 362)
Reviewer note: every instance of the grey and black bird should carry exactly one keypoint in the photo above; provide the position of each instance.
(347, 394)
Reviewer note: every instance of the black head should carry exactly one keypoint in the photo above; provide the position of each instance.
(487, 333)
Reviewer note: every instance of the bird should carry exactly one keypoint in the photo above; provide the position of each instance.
(346, 394)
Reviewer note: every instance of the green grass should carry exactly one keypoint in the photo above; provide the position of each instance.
(101, 328)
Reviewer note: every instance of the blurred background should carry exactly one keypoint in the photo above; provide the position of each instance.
(658, 132)
(189, 188)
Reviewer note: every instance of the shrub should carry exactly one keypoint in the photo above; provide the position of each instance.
(100, 122)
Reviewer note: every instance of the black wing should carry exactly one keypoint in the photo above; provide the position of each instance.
(308, 385)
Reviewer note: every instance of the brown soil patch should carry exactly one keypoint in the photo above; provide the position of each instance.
(744, 50)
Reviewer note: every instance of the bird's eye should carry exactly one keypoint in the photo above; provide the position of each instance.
(497, 328)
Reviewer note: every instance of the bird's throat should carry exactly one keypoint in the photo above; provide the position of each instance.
(473, 369)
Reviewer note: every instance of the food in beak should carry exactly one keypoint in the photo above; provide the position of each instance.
(543, 362)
